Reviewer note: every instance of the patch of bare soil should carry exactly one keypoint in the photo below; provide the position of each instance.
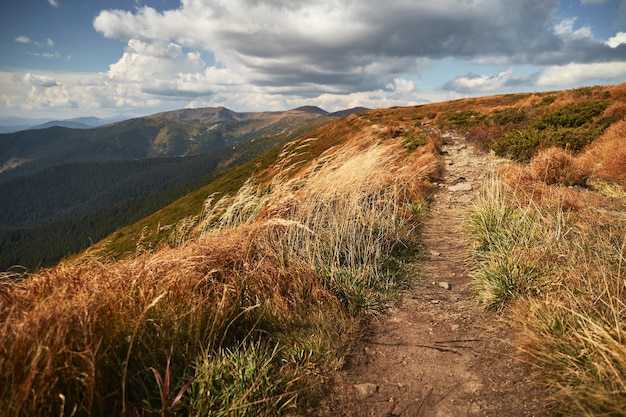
(437, 352)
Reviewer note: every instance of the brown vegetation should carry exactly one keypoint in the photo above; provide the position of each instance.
(270, 276)
(249, 302)
(550, 243)
(606, 157)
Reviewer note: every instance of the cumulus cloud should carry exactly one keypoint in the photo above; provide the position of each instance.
(273, 54)
(22, 39)
(324, 46)
(35, 80)
(344, 47)
(53, 3)
(565, 29)
(571, 74)
(472, 83)
(617, 40)
(26, 40)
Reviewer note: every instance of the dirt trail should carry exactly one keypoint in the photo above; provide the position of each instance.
(437, 353)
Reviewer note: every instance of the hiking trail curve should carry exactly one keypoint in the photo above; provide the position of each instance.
(437, 352)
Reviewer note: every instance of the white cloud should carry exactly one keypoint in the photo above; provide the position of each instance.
(53, 3)
(26, 40)
(277, 54)
(565, 29)
(474, 83)
(35, 80)
(22, 39)
(47, 55)
(617, 40)
(572, 74)
(335, 46)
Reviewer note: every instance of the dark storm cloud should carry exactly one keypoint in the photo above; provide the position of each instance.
(354, 46)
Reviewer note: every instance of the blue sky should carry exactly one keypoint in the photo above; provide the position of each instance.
(69, 58)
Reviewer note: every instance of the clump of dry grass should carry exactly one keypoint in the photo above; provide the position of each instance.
(88, 333)
(557, 166)
(606, 157)
(576, 337)
(561, 272)
(342, 215)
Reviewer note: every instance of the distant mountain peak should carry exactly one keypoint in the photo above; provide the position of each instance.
(312, 109)
(348, 112)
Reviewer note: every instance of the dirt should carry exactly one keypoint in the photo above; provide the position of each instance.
(437, 352)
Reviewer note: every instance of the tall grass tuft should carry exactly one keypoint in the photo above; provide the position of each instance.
(343, 216)
(561, 271)
(515, 244)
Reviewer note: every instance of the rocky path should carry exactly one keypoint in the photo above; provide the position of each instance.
(437, 353)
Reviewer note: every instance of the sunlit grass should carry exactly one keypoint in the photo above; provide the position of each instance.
(561, 271)
(241, 313)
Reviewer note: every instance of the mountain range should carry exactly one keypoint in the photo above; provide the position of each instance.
(16, 124)
(65, 187)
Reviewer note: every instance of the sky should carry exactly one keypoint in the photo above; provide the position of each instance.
(61, 59)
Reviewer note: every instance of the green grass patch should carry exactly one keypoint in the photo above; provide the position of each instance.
(462, 119)
(414, 139)
(511, 115)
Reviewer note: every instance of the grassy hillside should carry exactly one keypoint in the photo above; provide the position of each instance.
(64, 209)
(237, 299)
(237, 311)
(550, 246)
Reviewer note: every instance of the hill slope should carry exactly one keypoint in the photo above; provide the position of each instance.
(244, 299)
(64, 207)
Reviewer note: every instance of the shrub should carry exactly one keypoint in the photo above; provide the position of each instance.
(518, 145)
(570, 127)
(547, 100)
(557, 166)
(413, 140)
(571, 115)
(509, 115)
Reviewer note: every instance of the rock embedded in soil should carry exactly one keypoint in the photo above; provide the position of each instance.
(445, 285)
(463, 186)
(365, 390)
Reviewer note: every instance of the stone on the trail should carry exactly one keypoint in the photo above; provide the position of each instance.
(463, 186)
(365, 390)
(445, 285)
(435, 254)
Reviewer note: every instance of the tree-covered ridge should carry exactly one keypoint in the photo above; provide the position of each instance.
(64, 209)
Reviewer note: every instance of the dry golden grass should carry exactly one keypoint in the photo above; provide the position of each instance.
(555, 255)
(78, 330)
(286, 261)
(557, 166)
(606, 157)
